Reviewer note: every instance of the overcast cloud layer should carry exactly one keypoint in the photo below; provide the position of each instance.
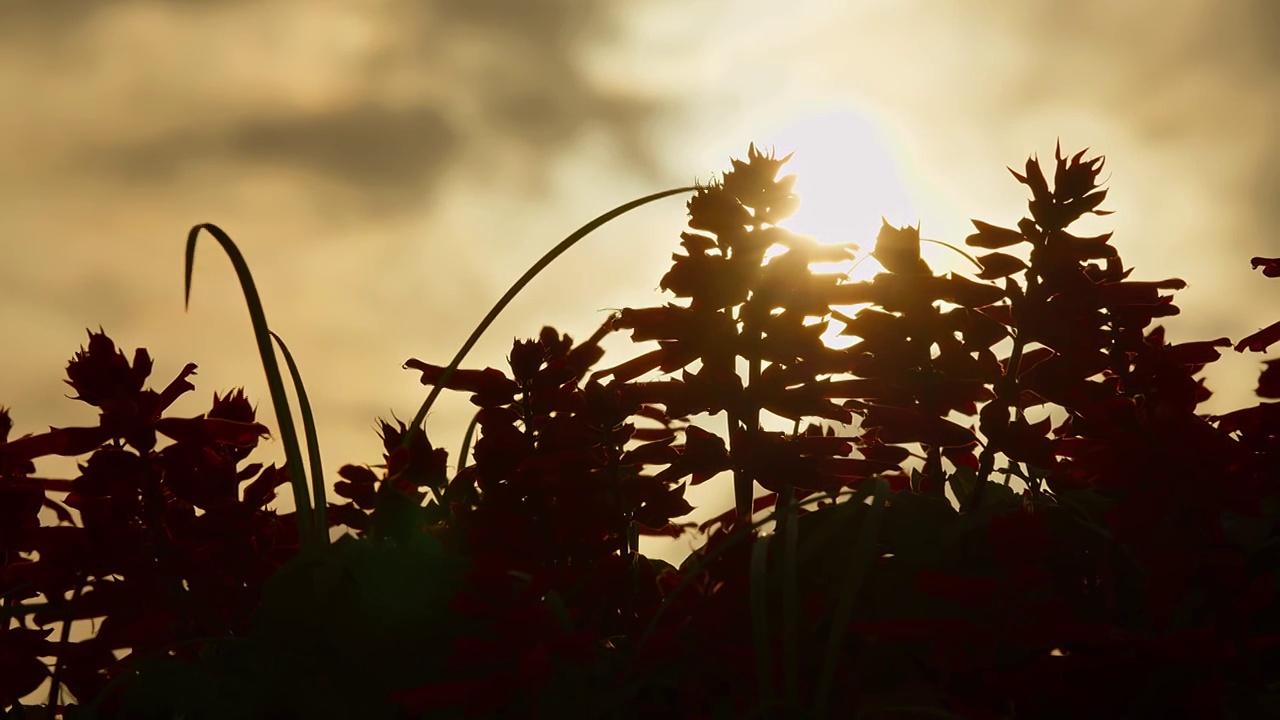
(389, 167)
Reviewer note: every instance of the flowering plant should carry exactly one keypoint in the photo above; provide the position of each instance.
(998, 502)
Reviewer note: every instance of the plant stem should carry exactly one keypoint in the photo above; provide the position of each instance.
(1006, 392)
(55, 686)
(420, 417)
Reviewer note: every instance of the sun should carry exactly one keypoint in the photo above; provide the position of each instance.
(849, 183)
(848, 177)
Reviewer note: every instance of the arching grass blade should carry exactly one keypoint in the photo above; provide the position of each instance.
(288, 434)
(519, 285)
(320, 498)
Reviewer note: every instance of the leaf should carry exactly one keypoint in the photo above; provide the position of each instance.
(904, 425)
(898, 250)
(998, 265)
(967, 293)
(962, 482)
(993, 237)
(1269, 380)
(206, 430)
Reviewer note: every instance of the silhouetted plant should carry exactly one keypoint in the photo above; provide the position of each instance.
(1130, 571)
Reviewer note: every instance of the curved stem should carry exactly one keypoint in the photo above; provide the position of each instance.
(966, 255)
(275, 384)
(557, 251)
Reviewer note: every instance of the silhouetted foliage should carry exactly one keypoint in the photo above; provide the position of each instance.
(1104, 550)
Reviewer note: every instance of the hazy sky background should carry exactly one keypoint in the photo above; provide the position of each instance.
(389, 167)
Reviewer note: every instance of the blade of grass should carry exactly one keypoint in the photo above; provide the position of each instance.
(309, 538)
(519, 285)
(321, 501)
(863, 555)
(760, 619)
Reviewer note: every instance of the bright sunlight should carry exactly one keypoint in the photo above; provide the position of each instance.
(848, 185)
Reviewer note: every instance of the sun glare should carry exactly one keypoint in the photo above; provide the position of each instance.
(848, 178)
(848, 181)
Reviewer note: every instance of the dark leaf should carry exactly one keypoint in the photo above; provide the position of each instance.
(898, 250)
(208, 430)
(102, 373)
(1269, 382)
(67, 442)
(1270, 266)
(998, 265)
(903, 425)
(992, 237)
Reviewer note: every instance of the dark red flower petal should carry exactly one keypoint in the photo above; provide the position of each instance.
(997, 265)
(903, 425)
(102, 373)
(1269, 381)
(1270, 266)
(490, 386)
(992, 237)
(207, 430)
(1261, 340)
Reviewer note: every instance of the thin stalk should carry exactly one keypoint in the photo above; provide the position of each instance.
(55, 687)
(966, 255)
(557, 251)
(743, 488)
(307, 534)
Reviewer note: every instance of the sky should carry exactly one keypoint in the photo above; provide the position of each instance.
(388, 168)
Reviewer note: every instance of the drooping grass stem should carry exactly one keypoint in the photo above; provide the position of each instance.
(555, 252)
(307, 531)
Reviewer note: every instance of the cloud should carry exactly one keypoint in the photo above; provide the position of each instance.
(389, 157)
(380, 100)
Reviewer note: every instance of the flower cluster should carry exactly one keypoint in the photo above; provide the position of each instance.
(173, 544)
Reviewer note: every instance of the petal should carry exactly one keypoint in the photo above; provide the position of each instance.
(1261, 340)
